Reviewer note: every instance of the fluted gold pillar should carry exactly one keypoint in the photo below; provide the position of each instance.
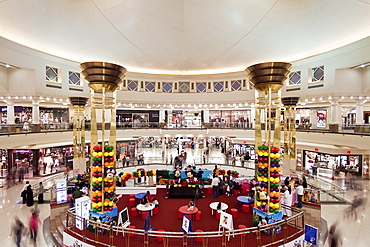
(268, 78)
(104, 79)
(78, 120)
(290, 148)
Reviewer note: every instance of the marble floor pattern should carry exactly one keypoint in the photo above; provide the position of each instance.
(353, 232)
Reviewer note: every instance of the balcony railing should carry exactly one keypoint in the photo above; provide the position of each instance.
(363, 129)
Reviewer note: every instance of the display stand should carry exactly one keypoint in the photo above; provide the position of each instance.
(226, 222)
(186, 225)
(82, 208)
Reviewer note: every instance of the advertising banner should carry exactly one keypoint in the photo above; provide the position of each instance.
(321, 119)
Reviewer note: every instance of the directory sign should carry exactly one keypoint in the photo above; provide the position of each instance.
(310, 234)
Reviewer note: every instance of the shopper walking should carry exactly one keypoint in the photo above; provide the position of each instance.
(41, 193)
(34, 226)
(215, 182)
(17, 231)
(300, 191)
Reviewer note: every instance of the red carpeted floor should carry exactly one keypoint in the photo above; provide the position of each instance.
(167, 218)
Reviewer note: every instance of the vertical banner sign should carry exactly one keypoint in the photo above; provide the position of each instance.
(321, 119)
(310, 234)
(61, 188)
(82, 208)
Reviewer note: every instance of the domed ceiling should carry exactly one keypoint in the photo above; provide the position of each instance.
(184, 36)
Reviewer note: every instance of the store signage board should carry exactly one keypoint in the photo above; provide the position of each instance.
(82, 208)
(310, 234)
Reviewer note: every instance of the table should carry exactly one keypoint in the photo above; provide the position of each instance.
(184, 210)
(140, 195)
(148, 207)
(214, 205)
(245, 199)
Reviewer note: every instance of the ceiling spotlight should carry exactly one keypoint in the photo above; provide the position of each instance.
(47, 98)
(320, 98)
(342, 97)
(313, 99)
(351, 97)
(306, 100)
(329, 97)
(362, 66)
(211, 105)
(9, 97)
(360, 97)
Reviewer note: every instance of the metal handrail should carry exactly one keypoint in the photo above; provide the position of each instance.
(115, 230)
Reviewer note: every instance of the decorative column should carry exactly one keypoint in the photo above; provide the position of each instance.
(35, 112)
(10, 111)
(360, 111)
(78, 120)
(268, 78)
(161, 115)
(334, 110)
(104, 79)
(290, 139)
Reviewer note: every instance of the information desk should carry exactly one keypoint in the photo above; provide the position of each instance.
(148, 207)
(184, 210)
(182, 192)
(214, 205)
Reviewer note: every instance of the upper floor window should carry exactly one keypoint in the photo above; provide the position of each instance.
(236, 85)
(295, 78)
(52, 74)
(74, 78)
(149, 86)
(201, 87)
(184, 87)
(167, 87)
(132, 85)
(218, 86)
(317, 74)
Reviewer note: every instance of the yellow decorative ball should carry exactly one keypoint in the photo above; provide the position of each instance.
(99, 204)
(100, 154)
(95, 154)
(111, 153)
(94, 205)
(265, 180)
(100, 179)
(106, 203)
(110, 204)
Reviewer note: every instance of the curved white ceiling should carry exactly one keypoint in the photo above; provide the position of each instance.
(184, 36)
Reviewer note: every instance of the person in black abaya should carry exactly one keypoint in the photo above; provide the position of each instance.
(29, 196)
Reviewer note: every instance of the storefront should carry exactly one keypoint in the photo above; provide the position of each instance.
(24, 160)
(54, 117)
(186, 118)
(329, 165)
(238, 118)
(137, 118)
(21, 114)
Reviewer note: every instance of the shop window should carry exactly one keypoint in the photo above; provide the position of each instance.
(74, 78)
(175, 86)
(149, 86)
(317, 74)
(244, 83)
(201, 87)
(226, 84)
(236, 85)
(124, 83)
(142, 84)
(132, 85)
(295, 78)
(209, 85)
(192, 86)
(218, 86)
(251, 86)
(52, 74)
(167, 87)
(159, 85)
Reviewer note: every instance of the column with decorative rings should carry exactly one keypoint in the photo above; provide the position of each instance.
(104, 79)
(267, 78)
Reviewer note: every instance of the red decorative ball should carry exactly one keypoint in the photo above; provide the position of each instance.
(111, 159)
(100, 174)
(94, 174)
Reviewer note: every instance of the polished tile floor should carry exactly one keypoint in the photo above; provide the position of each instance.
(353, 232)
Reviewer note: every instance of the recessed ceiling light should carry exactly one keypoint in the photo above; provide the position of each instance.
(7, 66)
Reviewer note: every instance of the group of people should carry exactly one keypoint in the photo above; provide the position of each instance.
(20, 230)
(147, 199)
(27, 194)
(219, 185)
(287, 199)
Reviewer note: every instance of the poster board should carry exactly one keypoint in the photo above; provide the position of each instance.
(124, 218)
(186, 224)
(226, 221)
(82, 208)
(61, 190)
(321, 119)
(70, 241)
(310, 234)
